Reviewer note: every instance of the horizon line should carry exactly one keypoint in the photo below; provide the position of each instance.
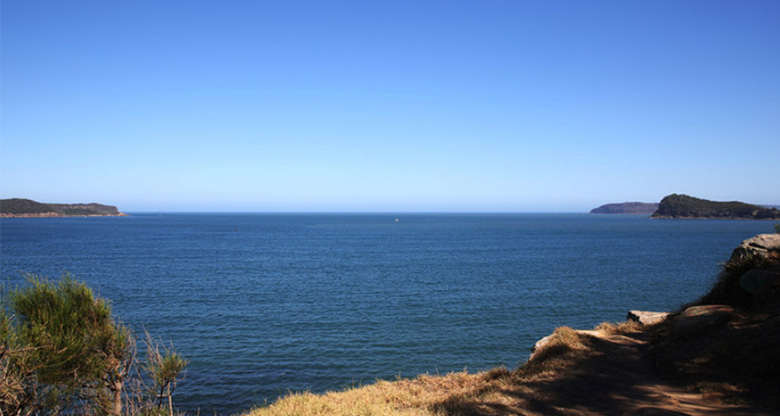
(358, 212)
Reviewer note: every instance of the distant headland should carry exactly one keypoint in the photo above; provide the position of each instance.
(679, 206)
(27, 208)
(684, 206)
(641, 208)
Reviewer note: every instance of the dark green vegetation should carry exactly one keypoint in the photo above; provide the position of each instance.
(684, 206)
(23, 206)
(642, 208)
(18, 207)
(733, 354)
(62, 353)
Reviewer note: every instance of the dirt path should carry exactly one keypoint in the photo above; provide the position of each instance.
(593, 374)
(616, 377)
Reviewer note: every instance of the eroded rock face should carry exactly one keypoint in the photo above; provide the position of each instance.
(762, 245)
(647, 317)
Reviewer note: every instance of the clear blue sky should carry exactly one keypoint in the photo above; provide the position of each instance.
(394, 106)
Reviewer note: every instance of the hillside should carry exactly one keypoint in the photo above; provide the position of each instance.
(640, 208)
(17, 207)
(684, 206)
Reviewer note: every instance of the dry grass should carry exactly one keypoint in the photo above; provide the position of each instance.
(494, 392)
(584, 373)
(564, 345)
(419, 396)
(621, 328)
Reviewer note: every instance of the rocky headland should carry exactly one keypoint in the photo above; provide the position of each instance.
(718, 355)
(638, 208)
(679, 206)
(27, 208)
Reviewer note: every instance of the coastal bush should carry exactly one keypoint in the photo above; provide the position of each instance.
(62, 352)
(163, 366)
(24, 206)
(726, 289)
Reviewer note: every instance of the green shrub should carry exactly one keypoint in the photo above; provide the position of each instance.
(61, 352)
(163, 366)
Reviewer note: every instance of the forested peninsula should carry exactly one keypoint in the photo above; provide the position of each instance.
(684, 206)
(27, 208)
(641, 208)
(680, 206)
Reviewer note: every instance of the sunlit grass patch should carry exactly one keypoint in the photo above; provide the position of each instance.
(620, 328)
(555, 356)
(568, 355)
(418, 396)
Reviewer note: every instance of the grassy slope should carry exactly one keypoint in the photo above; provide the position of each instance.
(550, 381)
(425, 395)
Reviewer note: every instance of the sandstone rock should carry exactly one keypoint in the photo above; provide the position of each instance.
(705, 310)
(658, 411)
(540, 345)
(762, 245)
(647, 317)
(699, 316)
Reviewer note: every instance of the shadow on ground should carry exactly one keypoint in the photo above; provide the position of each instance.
(592, 375)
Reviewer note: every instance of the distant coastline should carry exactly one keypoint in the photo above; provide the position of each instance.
(27, 208)
(637, 208)
(679, 206)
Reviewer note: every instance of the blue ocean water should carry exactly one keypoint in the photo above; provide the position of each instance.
(262, 304)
